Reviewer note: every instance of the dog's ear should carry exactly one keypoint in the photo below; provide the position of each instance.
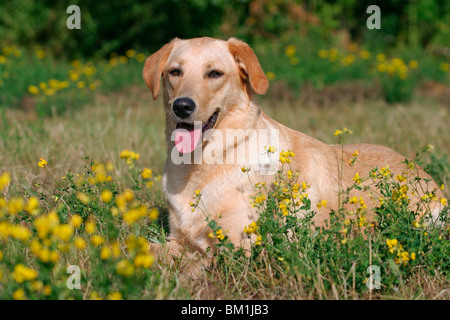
(248, 65)
(154, 67)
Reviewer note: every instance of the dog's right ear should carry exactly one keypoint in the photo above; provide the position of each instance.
(248, 65)
(154, 67)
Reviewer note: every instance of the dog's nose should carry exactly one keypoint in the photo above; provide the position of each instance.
(183, 107)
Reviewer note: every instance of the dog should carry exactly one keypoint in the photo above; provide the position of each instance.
(210, 85)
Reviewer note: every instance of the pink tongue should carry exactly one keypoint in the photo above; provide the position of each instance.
(187, 140)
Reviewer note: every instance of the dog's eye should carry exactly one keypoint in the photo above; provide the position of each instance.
(175, 72)
(215, 74)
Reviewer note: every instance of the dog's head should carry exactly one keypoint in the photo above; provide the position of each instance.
(203, 79)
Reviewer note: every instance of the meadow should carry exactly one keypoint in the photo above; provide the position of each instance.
(82, 151)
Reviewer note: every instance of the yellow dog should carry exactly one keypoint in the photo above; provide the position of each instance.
(208, 88)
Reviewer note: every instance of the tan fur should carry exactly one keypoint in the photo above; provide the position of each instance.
(226, 191)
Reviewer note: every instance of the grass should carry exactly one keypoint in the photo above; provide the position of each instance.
(128, 120)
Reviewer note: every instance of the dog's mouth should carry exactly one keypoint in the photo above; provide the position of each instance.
(188, 135)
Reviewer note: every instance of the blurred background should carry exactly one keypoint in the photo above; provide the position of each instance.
(317, 51)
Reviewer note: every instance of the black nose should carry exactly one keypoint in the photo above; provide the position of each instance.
(183, 107)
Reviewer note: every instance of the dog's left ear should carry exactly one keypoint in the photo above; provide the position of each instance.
(248, 65)
(154, 67)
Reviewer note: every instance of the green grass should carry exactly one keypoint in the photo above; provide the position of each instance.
(128, 120)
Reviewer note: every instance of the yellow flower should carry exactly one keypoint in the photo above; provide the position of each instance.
(32, 205)
(80, 243)
(106, 196)
(19, 294)
(322, 203)
(353, 200)
(23, 273)
(83, 197)
(5, 179)
(365, 54)
(124, 268)
(338, 132)
(413, 64)
(271, 149)
(416, 224)
(37, 285)
(220, 235)
(146, 173)
(443, 201)
(123, 60)
(15, 205)
(63, 232)
(114, 296)
(47, 290)
(76, 220)
(130, 53)
(74, 76)
(290, 51)
(40, 54)
(381, 57)
(392, 244)
(356, 178)
(115, 250)
(444, 66)
(33, 89)
(140, 57)
(81, 84)
(258, 240)
(105, 253)
(271, 76)
(49, 92)
(97, 240)
(323, 54)
(90, 227)
(42, 162)
(153, 214)
(143, 261)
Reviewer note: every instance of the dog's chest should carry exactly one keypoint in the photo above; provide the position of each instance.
(202, 199)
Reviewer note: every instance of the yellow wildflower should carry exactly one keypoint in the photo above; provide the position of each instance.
(97, 240)
(19, 294)
(322, 203)
(23, 273)
(42, 162)
(290, 51)
(80, 243)
(124, 268)
(33, 90)
(153, 214)
(146, 173)
(106, 195)
(114, 296)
